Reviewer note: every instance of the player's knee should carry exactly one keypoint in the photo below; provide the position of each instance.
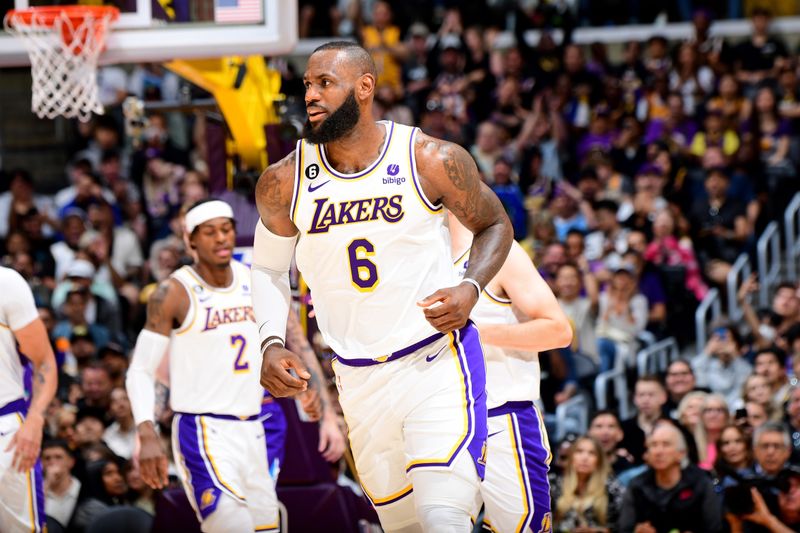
(443, 519)
(230, 515)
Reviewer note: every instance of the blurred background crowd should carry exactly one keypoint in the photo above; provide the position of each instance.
(634, 178)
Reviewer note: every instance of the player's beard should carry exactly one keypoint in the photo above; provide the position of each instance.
(337, 125)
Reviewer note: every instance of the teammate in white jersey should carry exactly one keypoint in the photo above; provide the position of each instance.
(22, 334)
(363, 203)
(203, 316)
(515, 491)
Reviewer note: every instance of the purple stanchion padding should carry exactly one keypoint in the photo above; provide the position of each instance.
(303, 465)
(324, 508)
(174, 513)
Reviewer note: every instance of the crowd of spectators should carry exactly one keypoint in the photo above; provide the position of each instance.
(633, 185)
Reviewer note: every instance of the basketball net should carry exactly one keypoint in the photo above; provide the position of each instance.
(64, 45)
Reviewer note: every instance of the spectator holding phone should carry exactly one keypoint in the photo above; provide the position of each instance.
(721, 367)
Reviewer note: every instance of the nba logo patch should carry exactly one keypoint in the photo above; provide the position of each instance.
(207, 499)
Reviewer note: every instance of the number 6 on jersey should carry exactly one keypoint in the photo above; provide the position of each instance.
(364, 273)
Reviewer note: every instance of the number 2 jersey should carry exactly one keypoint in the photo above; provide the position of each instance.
(214, 361)
(371, 245)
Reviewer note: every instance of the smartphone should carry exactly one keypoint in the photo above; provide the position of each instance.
(739, 500)
(722, 333)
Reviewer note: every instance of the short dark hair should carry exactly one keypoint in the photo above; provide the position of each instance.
(355, 52)
(683, 361)
(786, 285)
(57, 443)
(650, 378)
(778, 354)
(605, 412)
(576, 231)
(607, 205)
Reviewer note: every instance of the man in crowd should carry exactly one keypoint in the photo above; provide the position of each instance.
(672, 495)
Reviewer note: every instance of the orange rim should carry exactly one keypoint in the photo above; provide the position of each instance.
(47, 15)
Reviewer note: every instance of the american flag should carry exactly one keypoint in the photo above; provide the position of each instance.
(238, 10)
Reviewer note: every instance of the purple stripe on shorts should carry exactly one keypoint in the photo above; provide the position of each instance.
(509, 407)
(38, 494)
(473, 369)
(274, 422)
(205, 492)
(15, 406)
(534, 456)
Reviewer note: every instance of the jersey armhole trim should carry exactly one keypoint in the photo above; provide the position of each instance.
(427, 204)
(191, 314)
(298, 161)
(494, 298)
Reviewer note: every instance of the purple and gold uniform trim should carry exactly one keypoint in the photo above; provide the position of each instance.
(466, 348)
(427, 204)
(531, 449)
(496, 299)
(298, 178)
(364, 173)
(391, 357)
(33, 479)
(202, 473)
(397, 496)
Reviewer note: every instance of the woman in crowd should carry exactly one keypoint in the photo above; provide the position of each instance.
(689, 409)
(104, 487)
(587, 497)
(714, 416)
(734, 461)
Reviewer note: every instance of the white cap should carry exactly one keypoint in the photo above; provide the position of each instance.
(207, 211)
(80, 268)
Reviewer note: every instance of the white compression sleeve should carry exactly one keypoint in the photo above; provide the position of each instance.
(272, 257)
(140, 381)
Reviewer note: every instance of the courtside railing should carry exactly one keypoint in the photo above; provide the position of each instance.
(769, 262)
(791, 222)
(707, 313)
(739, 272)
(617, 378)
(656, 358)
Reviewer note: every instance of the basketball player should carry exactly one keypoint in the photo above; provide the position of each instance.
(21, 489)
(203, 316)
(515, 491)
(363, 203)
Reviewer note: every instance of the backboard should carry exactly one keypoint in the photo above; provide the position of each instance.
(162, 30)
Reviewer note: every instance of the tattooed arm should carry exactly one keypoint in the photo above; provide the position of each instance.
(35, 345)
(166, 308)
(449, 176)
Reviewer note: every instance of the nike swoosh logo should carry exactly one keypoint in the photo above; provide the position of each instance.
(493, 434)
(434, 356)
(311, 187)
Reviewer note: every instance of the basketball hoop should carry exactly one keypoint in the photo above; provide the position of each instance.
(64, 44)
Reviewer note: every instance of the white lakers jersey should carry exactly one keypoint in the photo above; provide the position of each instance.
(371, 245)
(17, 310)
(214, 360)
(511, 375)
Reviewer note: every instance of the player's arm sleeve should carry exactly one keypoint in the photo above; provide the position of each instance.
(272, 257)
(140, 381)
(18, 306)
